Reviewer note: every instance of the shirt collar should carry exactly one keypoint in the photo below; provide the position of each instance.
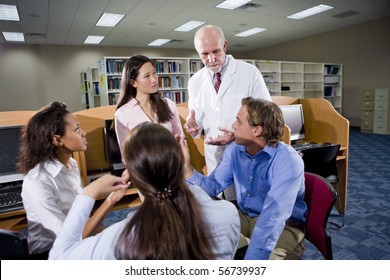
(54, 167)
(267, 150)
(223, 70)
(132, 103)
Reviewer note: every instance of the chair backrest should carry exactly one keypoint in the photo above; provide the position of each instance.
(13, 245)
(320, 197)
(322, 161)
(112, 153)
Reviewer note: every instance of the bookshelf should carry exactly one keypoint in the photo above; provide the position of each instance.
(291, 74)
(313, 80)
(93, 87)
(173, 76)
(333, 85)
(84, 90)
(283, 78)
(271, 74)
(303, 80)
(110, 72)
(90, 88)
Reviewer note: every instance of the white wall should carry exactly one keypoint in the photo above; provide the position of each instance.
(31, 76)
(364, 51)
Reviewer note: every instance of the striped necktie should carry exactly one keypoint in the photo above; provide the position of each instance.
(217, 82)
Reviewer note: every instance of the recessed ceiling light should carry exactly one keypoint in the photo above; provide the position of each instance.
(92, 39)
(109, 20)
(309, 12)
(13, 36)
(188, 26)
(232, 4)
(9, 12)
(250, 32)
(159, 42)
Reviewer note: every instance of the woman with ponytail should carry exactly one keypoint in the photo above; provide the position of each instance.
(175, 220)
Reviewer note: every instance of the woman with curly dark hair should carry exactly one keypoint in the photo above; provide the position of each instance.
(175, 220)
(52, 178)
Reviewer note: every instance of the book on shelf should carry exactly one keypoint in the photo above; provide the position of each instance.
(95, 88)
(115, 66)
(170, 82)
(175, 96)
(332, 69)
(168, 66)
(195, 66)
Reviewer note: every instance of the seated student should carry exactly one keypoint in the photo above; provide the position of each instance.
(175, 221)
(52, 179)
(269, 180)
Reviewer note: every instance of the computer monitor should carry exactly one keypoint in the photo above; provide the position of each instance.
(9, 151)
(293, 118)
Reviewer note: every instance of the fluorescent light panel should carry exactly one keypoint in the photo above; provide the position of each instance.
(159, 42)
(109, 20)
(232, 4)
(92, 39)
(13, 36)
(309, 12)
(9, 12)
(250, 32)
(188, 26)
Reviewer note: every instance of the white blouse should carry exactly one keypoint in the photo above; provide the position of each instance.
(48, 193)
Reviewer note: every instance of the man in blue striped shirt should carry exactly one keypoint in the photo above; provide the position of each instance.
(269, 179)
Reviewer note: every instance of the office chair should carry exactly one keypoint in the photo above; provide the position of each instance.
(13, 245)
(112, 153)
(322, 161)
(320, 197)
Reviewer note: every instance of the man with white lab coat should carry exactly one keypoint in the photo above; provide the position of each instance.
(213, 108)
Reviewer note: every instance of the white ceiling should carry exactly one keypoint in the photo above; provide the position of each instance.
(69, 22)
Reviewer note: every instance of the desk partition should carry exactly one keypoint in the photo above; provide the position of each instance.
(324, 124)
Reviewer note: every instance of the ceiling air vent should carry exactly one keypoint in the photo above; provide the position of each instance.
(174, 41)
(346, 14)
(250, 7)
(36, 35)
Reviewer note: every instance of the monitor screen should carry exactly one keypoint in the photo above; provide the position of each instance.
(9, 150)
(293, 118)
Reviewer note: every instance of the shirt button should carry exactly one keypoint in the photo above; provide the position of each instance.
(248, 194)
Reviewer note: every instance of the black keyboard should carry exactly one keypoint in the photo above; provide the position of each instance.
(10, 197)
(306, 145)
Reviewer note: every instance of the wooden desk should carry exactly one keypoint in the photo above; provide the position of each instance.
(92, 122)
